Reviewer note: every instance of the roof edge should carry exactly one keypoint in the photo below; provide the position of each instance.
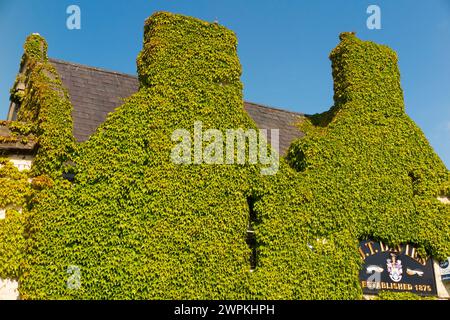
(78, 65)
(274, 108)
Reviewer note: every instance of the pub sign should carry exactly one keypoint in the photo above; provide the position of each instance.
(398, 269)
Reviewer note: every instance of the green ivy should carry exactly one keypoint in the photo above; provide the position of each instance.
(140, 227)
(388, 295)
(370, 174)
(137, 225)
(45, 104)
(14, 193)
(45, 116)
(22, 132)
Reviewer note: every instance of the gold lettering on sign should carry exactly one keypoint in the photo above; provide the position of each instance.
(370, 246)
(370, 249)
(407, 250)
(397, 249)
(422, 261)
(361, 252)
(383, 247)
(412, 253)
(375, 285)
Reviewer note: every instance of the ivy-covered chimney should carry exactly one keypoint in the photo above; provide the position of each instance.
(366, 77)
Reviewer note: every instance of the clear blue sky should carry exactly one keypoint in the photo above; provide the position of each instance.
(283, 46)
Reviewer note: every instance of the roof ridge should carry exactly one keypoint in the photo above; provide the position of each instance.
(274, 108)
(84, 66)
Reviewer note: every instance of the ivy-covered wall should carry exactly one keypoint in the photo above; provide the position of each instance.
(44, 118)
(366, 170)
(45, 104)
(15, 191)
(138, 226)
(14, 132)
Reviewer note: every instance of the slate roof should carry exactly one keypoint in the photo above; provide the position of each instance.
(96, 92)
(93, 93)
(272, 118)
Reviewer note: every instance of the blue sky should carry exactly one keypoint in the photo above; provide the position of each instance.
(283, 46)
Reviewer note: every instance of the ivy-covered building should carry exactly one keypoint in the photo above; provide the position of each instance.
(93, 208)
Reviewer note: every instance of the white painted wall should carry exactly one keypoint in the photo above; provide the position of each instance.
(21, 162)
(9, 289)
(443, 289)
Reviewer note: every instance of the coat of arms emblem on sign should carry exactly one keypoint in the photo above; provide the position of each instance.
(395, 269)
